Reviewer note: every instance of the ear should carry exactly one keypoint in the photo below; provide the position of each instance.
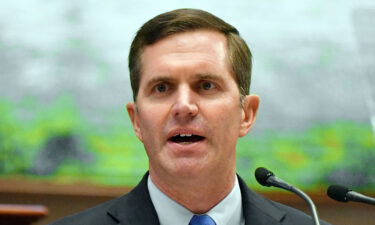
(131, 107)
(249, 112)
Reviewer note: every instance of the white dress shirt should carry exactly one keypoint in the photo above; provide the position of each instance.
(226, 212)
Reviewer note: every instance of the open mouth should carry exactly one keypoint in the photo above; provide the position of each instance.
(186, 138)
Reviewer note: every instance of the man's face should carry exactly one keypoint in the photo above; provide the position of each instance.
(188, 113)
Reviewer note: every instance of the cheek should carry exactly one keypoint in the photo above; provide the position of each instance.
(227, 119)
(150, 123)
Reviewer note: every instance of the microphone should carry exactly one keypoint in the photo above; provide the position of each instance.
(344, 194)
(267, 178)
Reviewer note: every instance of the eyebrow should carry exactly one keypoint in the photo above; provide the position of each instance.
(158, 79)
(209, 76)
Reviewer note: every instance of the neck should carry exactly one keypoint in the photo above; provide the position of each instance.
(197, 194)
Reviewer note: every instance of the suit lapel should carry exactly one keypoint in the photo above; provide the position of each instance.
(258, 210)
(136, 207)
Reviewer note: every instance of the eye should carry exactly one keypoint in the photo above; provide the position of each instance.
(161, 88)
(206, 85)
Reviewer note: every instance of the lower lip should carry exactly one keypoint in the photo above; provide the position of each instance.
(186, 148)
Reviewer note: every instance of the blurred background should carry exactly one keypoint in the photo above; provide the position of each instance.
(64, 84)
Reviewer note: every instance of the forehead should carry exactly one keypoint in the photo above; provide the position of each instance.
(199, 49)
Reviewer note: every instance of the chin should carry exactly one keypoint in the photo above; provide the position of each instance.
(188, 168)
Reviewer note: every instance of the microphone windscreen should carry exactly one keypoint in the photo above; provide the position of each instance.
(338, 192)
(261, 175)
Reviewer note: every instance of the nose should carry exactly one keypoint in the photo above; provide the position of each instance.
(185, 106)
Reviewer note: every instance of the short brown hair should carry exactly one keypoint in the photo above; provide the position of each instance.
(182, 20)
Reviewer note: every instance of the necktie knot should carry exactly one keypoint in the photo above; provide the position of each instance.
(202, 220)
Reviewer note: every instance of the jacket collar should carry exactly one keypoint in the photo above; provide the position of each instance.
(258, 210)
(136, 207)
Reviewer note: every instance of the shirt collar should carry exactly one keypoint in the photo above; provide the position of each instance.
(228, 211)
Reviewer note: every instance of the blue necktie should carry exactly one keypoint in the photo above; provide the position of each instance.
(202, 220)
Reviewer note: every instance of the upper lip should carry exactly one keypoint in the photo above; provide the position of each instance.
(177, 131)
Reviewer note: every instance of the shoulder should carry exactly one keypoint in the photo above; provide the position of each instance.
(264, 211)
(91, 216)
(134, 205)
(294, 216)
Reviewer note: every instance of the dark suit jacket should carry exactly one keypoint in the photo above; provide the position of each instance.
(136, 208)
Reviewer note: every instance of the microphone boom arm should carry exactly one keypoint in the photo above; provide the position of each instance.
(358, 197)
(311, 203)
(277, 182)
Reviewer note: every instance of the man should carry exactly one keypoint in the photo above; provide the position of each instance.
(190, 74)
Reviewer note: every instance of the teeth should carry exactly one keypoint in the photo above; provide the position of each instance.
(183, 135)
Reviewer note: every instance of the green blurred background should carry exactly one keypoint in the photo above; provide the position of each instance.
(64, 84)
